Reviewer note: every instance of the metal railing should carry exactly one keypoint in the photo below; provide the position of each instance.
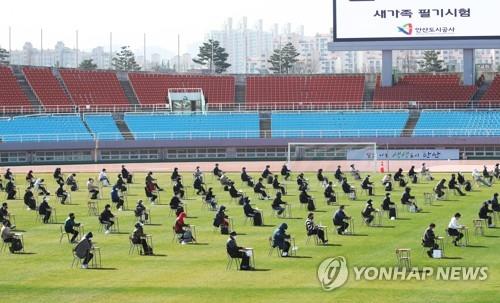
(253, 134)
(242, 107)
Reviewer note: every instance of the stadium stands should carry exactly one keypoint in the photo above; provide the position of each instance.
(93, 87)
(153, 88)
(104, 126)
(458, 123)
(193, 126)
(46, 86)
(306, 89)
(11, 93)
(493, 92)
(338, 124)
(43, 128)
(425, 88)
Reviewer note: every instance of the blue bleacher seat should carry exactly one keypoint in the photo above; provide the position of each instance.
(338, 124)
(183, 126)
(104, 126)
(457, 123)
(57, 127)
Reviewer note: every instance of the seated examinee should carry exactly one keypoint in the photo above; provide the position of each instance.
(69, 227)
(210, 199)
(107, 218)
(368, 211)
(139, 237)
(83, 248)
(355, 173)
(302, 182)
(175, 202)
(117, 198)
(346, 187)
(198, 173)
(127, 175)
(40, 186)
(484, 213)
(453, 185)
(71, 181)
(141, 212)
(233, 192)
(45, 210)
(30, 178)
(454, 228)
(175, 175)
(496, 172)
(178, 188)
(217, 171)
(439, 189)
(58, 176)
(329, 193)
(152, 180)
(313, 229)
(221, 220)
(486, 175)
(479, 178)
(150, 190)
(245, 177)
(29, 199)
(426, 173)
(8, 175)
(322, 179)
(338, 174)
(93, 189)
(267, 173)
(199, 185)
(259, 188)
(235, 251)
(10, 237)
(183, 230)
(409, 200)
(339, 220)
(120, 183)
(412, 174)
(251, 212)
(278, 186)
(10, 189)
(386, 181)
(61, 193)
(304, 198)
(5, 215)
(285, 172)
(277, 202)
(495, 206)
(389, 206)
(281, 239)
(368, 185)
(429, 240)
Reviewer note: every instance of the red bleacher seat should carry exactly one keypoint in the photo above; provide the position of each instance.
(493, 92)
(153, 88)
(94, 87)
(46, 86)
(425, 88)
(11, 93)
(305, 89)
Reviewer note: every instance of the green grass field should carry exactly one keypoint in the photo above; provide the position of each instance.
(197, 273)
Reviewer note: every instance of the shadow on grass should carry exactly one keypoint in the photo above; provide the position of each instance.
(489, 236)
(299, 257)
(356, 235)
(157, 255)
(384, 226)
(476, 246)
(264, 225)
(103, 268)
(155, 224)
(320, 211)
(403, 219)
(120, 233)
(293, 218)
(19, 230)
(452, 258)
(199, 244)
(258, 269)
(329, 244)
(24, 253)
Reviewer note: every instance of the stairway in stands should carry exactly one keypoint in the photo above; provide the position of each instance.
(480, 93)
(265, 124)
(129, 91)
(122, 126)
(411, 123)
(240, 89)
(23, 83)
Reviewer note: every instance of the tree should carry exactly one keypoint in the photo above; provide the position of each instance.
(213, 55)
(431, 62)
(88, 64)
(283, 60)
(4, 56)
(125, 60)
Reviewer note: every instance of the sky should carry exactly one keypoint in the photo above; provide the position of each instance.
(162, 21)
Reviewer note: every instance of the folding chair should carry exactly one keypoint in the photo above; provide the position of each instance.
(230, 261)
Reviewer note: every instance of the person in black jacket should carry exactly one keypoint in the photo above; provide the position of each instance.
(398, 177)
(260, 189)
(175, 175)
(217, 171)
(139, 237)
(304, 198)
(198, 185)
(107, 218)
(389, 206)
(152, 180)
(210, 199)
(484, 212)
(58, 176)
(233, 192)
(29, 199)
(278, 186)
(72, 183)
(120, 183)
(413, 175)
(439, 189)
(409, 200)
(322, 179)
(8, 175)
(267, 172)
(221, 220)
(348, 189)
(277, 202)
(487, 175)
(246, 178)
(10, 188)
(285, 172)
(178, 188)
(30, 178)
(61, 193)
(175, 202)
(452, 184)
(249, 211)
(235, 251)
(496, 171)
(367, 213)
(5, 215)
(495, 206)
(429, 240)
(302, 182)
(45, 210)
(338, 174)
(127, 175)
(313, 229)
(339, 220)
(141, 212)
(366, 184)
(330, 194)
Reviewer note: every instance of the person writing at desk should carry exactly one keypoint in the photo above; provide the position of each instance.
(235, 251)
(83, 250)
(313, 229)
(454, 228)
(281, 239)
(429, 240)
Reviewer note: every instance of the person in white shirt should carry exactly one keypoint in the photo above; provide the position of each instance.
(426, 173)
(476, 175)
(103, 178)
(40, 187)
(454, 228)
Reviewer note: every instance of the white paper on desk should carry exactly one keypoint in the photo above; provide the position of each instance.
(249, 253)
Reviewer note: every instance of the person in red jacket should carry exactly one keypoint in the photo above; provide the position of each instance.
(183, 230)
